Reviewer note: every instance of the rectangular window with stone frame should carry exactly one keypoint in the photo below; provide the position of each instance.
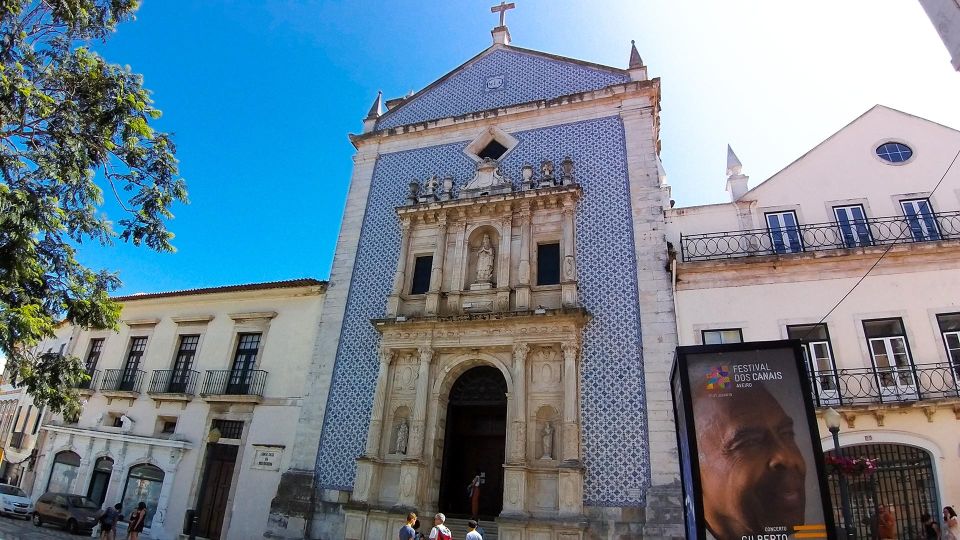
(422, 267)
(548, 264)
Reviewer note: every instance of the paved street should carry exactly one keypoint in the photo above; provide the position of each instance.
(18, 529)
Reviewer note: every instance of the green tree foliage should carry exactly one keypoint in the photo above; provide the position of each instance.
(71, 127)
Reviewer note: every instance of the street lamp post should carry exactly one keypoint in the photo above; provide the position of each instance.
(832, 418)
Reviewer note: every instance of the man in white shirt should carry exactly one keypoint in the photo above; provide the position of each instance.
(439, 530)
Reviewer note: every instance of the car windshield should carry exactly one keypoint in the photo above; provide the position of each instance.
(12, 490)
(82, 502)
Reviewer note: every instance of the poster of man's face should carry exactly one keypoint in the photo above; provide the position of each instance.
(755, 453)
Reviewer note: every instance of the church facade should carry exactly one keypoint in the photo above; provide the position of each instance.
(499, 311)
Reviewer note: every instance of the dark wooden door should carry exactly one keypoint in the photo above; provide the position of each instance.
(217, 478)
(475, 442)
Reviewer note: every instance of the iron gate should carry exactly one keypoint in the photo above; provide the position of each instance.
(904, 478)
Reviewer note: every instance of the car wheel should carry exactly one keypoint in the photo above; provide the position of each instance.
(72, 527)
(37, 521)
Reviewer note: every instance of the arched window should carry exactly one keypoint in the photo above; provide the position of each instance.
(99, 480)
(66, 464)
(143, 485)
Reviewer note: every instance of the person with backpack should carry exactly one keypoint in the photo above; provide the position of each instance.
(439, 530)
(108, 522)
(472, 532)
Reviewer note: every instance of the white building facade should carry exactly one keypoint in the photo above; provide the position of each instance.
(779, 260)
(192, 404)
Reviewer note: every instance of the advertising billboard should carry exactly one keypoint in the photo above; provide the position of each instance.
(751, 460)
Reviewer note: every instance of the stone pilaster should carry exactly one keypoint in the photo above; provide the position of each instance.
(420, 405)
(568, 265)
(503, 259)
(570, 450)
(664, 513)
(518, 444)
(436, 270)
(374, 432)
(399, 277)
(522, 299)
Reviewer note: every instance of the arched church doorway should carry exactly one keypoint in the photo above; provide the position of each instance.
(904, 478)
(474, 442)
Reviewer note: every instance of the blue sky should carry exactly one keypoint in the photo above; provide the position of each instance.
(261, 96)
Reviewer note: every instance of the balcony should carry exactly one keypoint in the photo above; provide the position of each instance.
(88, 387)
(821, 237)
(173, 385)
(872, 386)
(123, 384)
(235, 386)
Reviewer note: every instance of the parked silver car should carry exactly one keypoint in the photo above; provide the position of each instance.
(14, 502)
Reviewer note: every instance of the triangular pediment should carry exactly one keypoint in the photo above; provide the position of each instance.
(851, 152)
(501, 76)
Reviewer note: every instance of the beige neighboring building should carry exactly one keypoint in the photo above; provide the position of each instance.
(772, 263)
(945, 16)
(192, 404)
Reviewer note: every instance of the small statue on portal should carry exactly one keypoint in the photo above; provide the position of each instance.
(547, 442)
(485, 258)
(403, 433)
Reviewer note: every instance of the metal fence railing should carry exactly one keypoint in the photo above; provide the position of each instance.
(173, 381)
(122, 380)
(862, 386)
(821, 236)
(234, 382)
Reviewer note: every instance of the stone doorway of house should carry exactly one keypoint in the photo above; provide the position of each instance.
(474, 442)
(215, 489)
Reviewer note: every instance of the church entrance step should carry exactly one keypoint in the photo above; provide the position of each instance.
(459, 529)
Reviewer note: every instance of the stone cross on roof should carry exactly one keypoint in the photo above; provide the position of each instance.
(502, 10)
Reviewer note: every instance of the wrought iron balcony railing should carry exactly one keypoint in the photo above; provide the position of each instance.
(227, 382)
(92, 383)
(863, 386)
(122, 380)
(821, 237)
(173, 381)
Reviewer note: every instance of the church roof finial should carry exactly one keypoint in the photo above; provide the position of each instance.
(377, 107)
(635, 60)
(734, 167)
(501, 34)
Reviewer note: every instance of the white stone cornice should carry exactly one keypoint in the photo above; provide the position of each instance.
(603, 102)
(192, 319)
(242, 316)
(122, 437)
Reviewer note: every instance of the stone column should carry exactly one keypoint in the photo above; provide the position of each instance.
(503, 270)
(399, 277)
(568, 265)
(570, 450)
(518, 444)
(523, 275)
(436, 270)
(420, 405)
(376, 416)
(453, 295)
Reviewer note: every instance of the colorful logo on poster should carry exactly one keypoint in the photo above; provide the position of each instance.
(718, 378)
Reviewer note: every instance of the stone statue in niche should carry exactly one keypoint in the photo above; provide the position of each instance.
(403, 435)
(485, 260)
(547, 442)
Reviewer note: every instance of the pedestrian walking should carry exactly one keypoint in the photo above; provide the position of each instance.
(138, 520)
(407, 532)
(439, 530)
(472, 533)
(951, 525)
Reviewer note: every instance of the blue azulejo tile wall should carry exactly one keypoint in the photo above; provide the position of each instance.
(614, 436)
(501, 78)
